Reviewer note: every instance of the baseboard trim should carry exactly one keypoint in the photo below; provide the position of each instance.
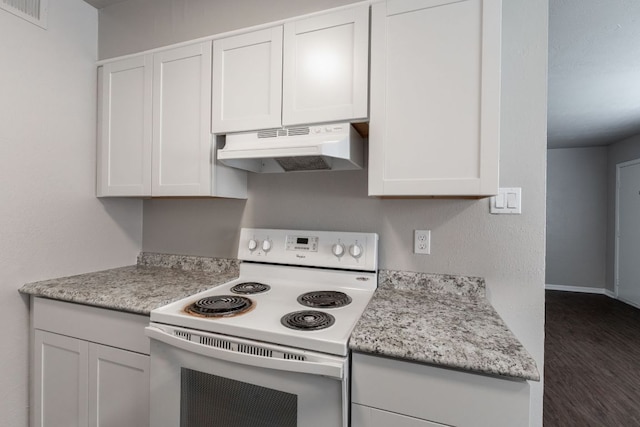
(631, 303)
(581, 289)
(610, 294)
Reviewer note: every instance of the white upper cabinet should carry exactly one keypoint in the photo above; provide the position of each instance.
(326, 68)
(311, 70)
(124, 166)
(435, 98)
(155, 128)
(247, 81)
(182, 108)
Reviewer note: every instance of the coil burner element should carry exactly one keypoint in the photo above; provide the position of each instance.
(248, 288)
(220, 306)
(308, 320)
(324, 299)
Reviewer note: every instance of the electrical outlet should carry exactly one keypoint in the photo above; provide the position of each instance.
(422, 242)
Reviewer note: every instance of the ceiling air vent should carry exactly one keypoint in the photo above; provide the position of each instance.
(34, 11)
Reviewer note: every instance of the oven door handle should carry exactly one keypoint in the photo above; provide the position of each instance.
(329, 368)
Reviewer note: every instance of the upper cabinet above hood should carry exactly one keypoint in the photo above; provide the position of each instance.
(303, 72)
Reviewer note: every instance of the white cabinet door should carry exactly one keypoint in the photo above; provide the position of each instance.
(124, 139)
(181, 121)
(426, 392)
(60, 381)
(154, 128)
(435, 95)
(326, 68)
(364, 416)
(118, 387)
(247, 81)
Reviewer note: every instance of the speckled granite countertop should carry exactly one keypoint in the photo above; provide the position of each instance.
(440, 320)
(156, 280)
(436, 319)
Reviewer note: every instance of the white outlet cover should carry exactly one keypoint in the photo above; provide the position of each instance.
(422, 242)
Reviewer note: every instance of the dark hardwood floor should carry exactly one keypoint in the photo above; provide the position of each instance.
(592, 361)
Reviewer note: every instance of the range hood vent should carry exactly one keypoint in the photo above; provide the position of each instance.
(336, 146)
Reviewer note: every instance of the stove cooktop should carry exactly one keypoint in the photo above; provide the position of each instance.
(264, 319)
(302, 289)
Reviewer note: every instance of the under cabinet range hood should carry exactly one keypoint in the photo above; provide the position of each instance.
(335, 146)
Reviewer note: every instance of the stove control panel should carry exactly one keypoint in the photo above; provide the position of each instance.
(344, 250)
(302, 243)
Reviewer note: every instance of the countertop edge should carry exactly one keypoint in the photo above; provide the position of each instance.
(497, 373)
(138, 289)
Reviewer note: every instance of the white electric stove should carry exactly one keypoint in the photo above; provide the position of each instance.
(282, 327)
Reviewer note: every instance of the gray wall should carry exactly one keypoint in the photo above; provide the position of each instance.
(507, 250)
(137, 25)
(51, 223)
(576, 216)
(620, 152)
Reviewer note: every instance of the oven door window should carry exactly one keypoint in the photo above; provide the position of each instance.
(208, 400)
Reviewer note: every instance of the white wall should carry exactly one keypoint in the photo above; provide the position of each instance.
(577, 217)
(51, 224)
(507, 250)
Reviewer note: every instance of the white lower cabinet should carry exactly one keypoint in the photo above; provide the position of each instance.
(118, 387)
(391, 392)
(77, 382)
(61, 381)
(364, 416)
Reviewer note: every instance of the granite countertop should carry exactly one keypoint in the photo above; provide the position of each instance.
(156, 280)
(440, 320)
(437, 319)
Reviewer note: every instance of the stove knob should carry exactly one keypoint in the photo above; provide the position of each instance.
(252, 245)
(338, 249)
(355, 250)
(266, 245)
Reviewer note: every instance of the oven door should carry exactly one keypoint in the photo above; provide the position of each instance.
(202, 379)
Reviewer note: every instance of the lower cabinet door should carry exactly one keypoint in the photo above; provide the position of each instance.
(364, 416)
(118, 387)
(60, 381)
(80, 384)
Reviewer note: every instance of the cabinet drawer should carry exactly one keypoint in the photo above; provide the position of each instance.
(94, 324)
(363, 416)
(440, 395)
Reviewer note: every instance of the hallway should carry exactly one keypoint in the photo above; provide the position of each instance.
(592, 361)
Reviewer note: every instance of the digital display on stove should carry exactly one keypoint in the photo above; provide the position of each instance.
(302, 243)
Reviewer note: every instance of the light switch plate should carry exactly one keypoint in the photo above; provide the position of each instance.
(507, 201)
